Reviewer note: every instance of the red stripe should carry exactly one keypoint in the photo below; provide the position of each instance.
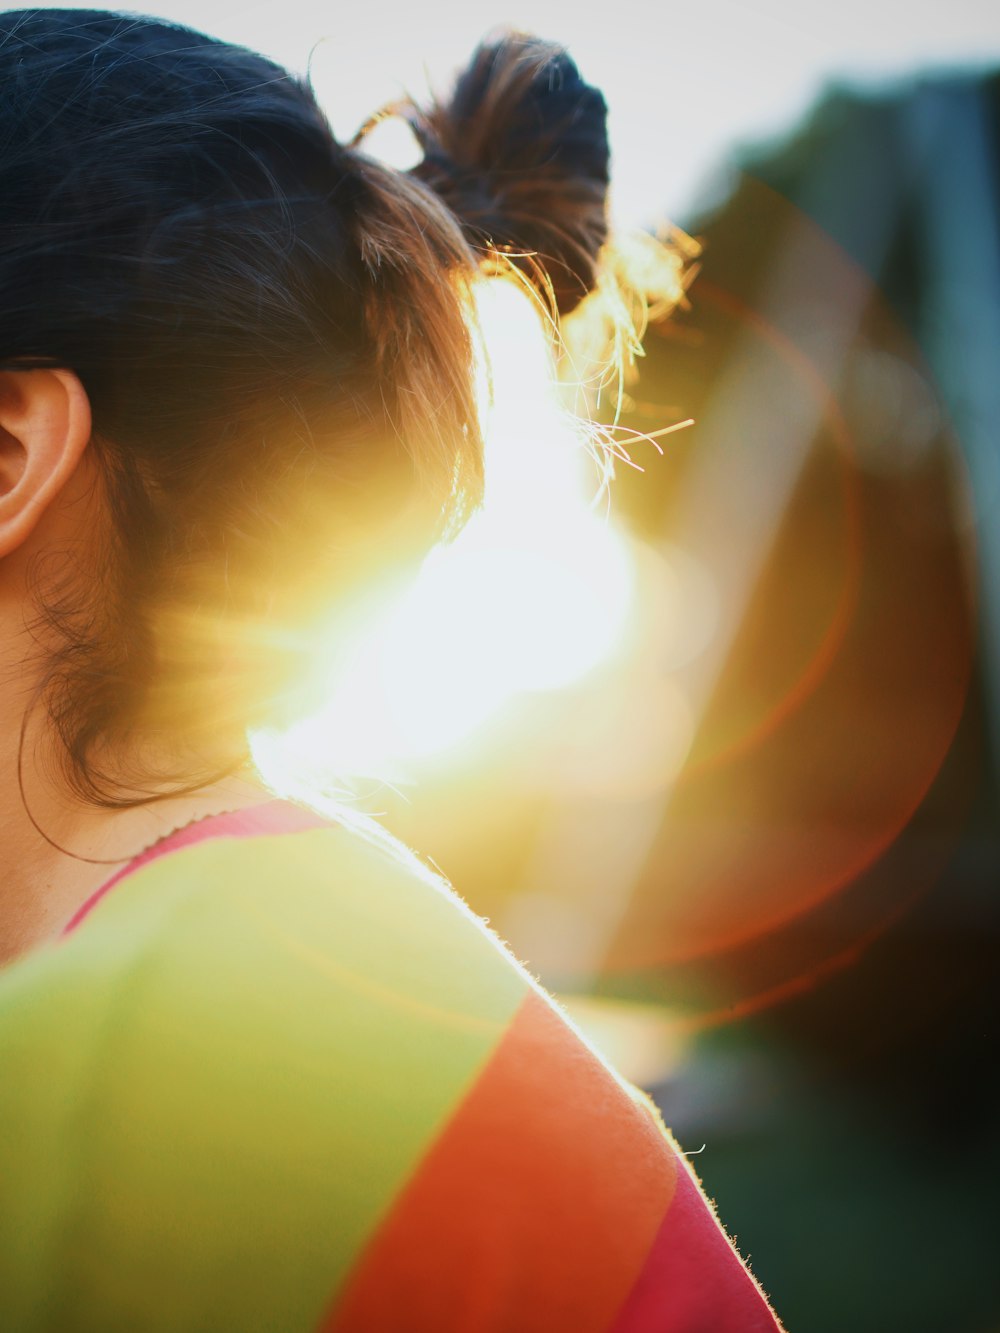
(269, 817)
(693, 1280)
(535, 1209)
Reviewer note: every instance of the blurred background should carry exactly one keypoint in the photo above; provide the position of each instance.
(716, 751)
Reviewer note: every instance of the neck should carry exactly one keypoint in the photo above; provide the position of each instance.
(56, 850)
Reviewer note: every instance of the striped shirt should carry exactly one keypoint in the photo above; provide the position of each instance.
(276, 1080)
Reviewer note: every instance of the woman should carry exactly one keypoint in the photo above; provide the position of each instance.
(258, 1073)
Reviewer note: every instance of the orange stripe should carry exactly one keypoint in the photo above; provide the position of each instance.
(534, 1210)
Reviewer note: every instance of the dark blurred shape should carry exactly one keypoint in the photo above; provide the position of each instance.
(830, 857)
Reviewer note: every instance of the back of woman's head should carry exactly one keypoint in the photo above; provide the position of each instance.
(274, 335)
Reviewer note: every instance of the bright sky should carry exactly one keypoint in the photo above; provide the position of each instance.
(683, 83)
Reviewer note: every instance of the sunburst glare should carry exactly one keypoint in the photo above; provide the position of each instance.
(532, 595)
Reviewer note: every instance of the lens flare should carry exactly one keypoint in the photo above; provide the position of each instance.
(534, 593)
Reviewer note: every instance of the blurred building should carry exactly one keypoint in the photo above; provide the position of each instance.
(842, 358)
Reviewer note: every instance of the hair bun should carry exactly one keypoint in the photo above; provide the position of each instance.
(520, 154)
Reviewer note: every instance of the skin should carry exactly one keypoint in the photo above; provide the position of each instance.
(51, 507)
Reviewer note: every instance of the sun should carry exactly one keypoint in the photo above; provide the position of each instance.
(533, 594)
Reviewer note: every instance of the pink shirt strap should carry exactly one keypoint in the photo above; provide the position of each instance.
(272, 817)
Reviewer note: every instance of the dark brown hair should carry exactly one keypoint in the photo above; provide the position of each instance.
(274, 333)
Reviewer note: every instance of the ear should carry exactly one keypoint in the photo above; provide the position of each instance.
(44, 429)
